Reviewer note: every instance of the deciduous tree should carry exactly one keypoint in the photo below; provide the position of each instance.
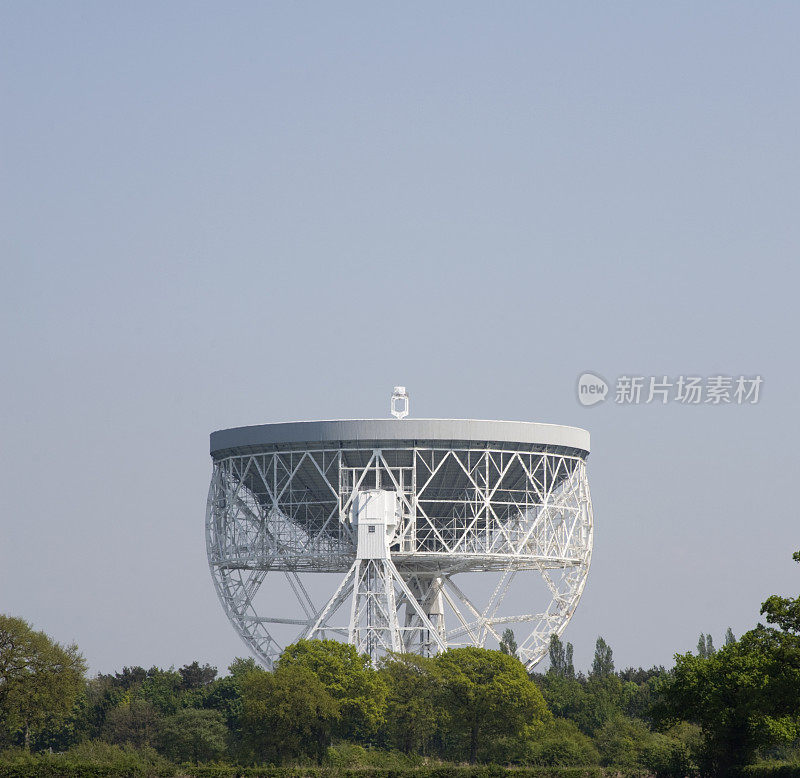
(603, 662)
(287, 713)
(702, 651)
(193, 735)
(508, 643)
(558, 657)
(348, 677)
(744, 696)
(195, 675)
(39, 679)
(133, 721)
(569, 668)
(412, 712)
(486, 694)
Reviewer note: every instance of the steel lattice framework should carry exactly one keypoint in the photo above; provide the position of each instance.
(400, 510)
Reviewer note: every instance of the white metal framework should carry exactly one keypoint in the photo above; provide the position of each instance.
(400, 519)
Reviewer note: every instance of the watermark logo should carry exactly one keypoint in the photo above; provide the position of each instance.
(591, 389)
(684, 390)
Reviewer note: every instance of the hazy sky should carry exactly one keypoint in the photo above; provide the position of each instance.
(226, 214)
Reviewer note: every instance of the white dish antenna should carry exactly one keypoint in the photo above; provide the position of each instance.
(413, 537)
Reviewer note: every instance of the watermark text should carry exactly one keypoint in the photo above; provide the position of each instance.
(684, 390)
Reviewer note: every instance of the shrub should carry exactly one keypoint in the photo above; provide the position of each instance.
(346, 755)
(667, 757)
(92, 759)
(556, 743)
(562, 744)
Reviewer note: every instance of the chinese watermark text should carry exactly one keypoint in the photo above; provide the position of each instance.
(685, 390)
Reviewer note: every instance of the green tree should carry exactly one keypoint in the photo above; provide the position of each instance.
(629, 744)
(621, 742)
(240, 666)
(133, 721)
(40, 680)
(101, 696)
(128, 678)
(589, 703)
(287, 713)
(783, 611)
(558, 656)
(565, 697)
(569, 669)
(508, 643)
(63, 733)
(603, 662)
(348, 677)
(486, 694)
(641, 693)
(412, 713)
(672, 754)
(559, 743)
(605, 697)
(225, 696)
(719, 694)
(193, 735)
(729, 637)
(161, 688)
(640, 675)
(702, 651)
(705, 646)
(744, 697)
(195, 675)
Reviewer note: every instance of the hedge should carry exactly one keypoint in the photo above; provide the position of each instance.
(55, 767)
(771, 770)
(423, 771)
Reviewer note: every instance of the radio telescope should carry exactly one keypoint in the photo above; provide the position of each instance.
(402, 535)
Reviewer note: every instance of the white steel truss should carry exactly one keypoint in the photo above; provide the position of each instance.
(514, 514)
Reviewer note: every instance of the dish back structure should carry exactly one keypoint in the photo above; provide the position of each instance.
(400, 510)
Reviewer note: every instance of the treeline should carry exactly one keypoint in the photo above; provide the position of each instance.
(325, 704)
(711, 714)
(459, 706)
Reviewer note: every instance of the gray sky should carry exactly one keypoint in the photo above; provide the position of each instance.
(218, 215)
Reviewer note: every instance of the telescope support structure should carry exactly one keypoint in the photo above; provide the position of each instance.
(376, 589)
